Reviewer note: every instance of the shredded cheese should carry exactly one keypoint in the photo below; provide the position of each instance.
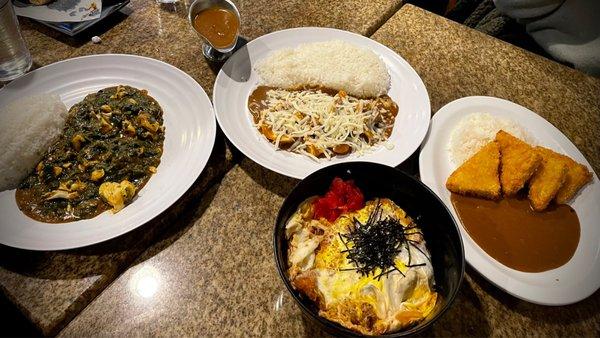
(316, 124)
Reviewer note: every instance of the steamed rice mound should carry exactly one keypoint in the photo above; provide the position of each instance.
(334, 64)
(476, 130)
(27, 128)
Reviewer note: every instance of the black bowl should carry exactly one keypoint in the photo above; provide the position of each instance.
(376, 180)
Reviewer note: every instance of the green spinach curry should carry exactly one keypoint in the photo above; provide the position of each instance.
(109, 148)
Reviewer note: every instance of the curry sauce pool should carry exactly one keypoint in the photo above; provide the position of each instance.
(517, 236)
(110, 146)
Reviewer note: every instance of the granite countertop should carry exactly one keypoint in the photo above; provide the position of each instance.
(217, 277)
(207, 267)
(50, 288)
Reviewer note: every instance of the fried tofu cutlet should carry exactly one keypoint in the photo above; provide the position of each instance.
(547, 180)
(578, 175)
(478, 176)
(519, 162)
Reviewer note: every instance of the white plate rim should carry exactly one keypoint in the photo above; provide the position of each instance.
(207, 133)
(300, 174)
(511, 281)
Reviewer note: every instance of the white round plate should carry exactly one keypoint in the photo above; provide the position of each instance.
(237, 79)
(189, 138)
(570, 283)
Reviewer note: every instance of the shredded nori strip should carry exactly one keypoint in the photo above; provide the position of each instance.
(376, 244)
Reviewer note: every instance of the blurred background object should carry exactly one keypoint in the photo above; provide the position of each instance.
(68, 16)
(15, 59)
(567, 31)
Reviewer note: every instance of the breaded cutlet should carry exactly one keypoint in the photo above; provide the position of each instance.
(578, 175)
(547, 180)
(519, 162)
(478, 176)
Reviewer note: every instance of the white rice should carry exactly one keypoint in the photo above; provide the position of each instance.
(334, 64)
(476, 130)
(27, 128)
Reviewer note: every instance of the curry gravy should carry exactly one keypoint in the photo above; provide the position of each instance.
(517, 236)
(218, 25)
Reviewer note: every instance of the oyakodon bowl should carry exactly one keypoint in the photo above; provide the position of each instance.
(376, 180)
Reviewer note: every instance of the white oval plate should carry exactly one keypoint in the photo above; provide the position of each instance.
(570, 283)
(237, 79)
(189, 139)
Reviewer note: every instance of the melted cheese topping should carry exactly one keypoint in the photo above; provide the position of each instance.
(317, 124)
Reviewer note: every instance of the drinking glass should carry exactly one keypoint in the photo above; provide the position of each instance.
(15, 59)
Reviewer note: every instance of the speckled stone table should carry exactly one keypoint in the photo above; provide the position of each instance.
(52, 288)
(214, 273)
(217, 277)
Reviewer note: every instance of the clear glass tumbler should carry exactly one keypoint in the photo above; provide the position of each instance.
(15, 59)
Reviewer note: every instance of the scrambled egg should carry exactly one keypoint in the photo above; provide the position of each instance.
(116, 194)
(320, 269)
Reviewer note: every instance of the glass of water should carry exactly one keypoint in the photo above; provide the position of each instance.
(15, 59)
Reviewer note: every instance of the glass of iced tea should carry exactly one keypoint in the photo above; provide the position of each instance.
(217, 22)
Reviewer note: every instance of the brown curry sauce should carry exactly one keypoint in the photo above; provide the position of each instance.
(218, 25)
(517, 236)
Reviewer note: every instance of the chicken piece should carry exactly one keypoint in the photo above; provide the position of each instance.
(128, 128)
(547, 180)
(116, 194)
(284, 141)
(578, 175)
(307, 283)
(478, 176)
(76, 141)
(97, 174)
(314, 150)
(60, 194)
(77, 186)
(355, 314)
(519, 162)
(105, 125)
(341, 149)
(144, 121)
(57, 170)
(120, 92)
